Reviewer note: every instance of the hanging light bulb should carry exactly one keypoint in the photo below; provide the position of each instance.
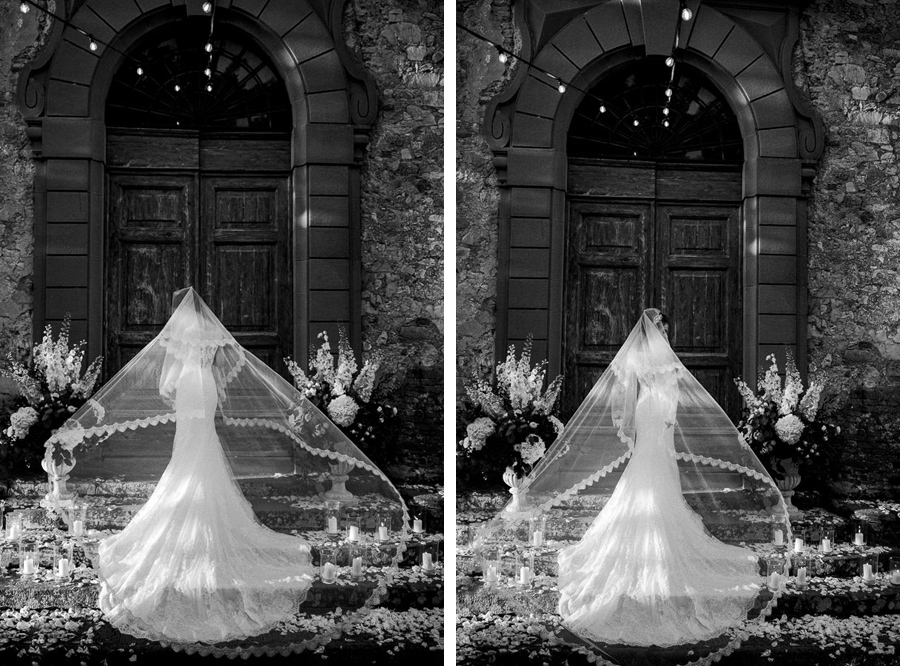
(208, 87)
(636, 122)
(686, 14)
(665, 123)
(208, 72)
(208, 47)
(24, 8)
(503, 57)
(92, 45)
(665, 111)
(561, 87)
(140, 71)
(207, 7)
(668, 92)
(602, 108)
(177, 88)
(670, 61)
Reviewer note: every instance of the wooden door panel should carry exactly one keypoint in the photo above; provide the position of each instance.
(607, 282)
(697, 304)
(149, 249)
(246, 261)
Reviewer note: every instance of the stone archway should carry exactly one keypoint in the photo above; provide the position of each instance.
(62, 96)
(527, 127)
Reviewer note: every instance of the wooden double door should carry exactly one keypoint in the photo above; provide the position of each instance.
(650, 235)
(208, 210)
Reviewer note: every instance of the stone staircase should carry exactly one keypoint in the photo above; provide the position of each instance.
(837, 618)
(282, 505)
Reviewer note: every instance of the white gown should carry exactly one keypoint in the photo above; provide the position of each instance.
(194, 564)
(647, 572)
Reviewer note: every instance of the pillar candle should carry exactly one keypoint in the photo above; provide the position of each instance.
(779, 538)
(382, 533)
(538, 538)
(356, 567)
(417, 526)
(801, 576)
(63, 567)
(858, 540)
(427, 563)
(77, 527)
(773, 581)
(895, 577)
(492, 573)
(328, 572)
(14, 532)
(28, 566)
(798, 545)
(332, 525)
(867, 572)
(826, 545)
(354, 533)
(525, 575)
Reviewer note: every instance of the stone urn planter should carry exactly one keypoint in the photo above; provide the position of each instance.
(60, 497)
(786, 484)
(340, 472)
(518, 491)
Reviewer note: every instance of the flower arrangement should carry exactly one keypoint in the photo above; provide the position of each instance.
(511, 423)
(780, 422)
(345, 393)
(51, 388)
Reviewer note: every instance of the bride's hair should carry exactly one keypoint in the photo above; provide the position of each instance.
(662, 319)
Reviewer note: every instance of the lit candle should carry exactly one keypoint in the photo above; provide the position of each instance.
(328, 572)
(773, 581)
(77, 527)
(417, 526)
(867, 572)
(492, 574)
(826, 545)
(538, 538)
(427, 563)
(14, 532)
(356, 567)
(28, 566)
(895, 577)
(63, 567)
(779, 538)
(798, 545)
(524, 575)
(801, 576)
(858, 540)
(382, 533)
(353, 535)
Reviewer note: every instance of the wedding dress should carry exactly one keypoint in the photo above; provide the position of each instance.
(650, 568)
(195, 564)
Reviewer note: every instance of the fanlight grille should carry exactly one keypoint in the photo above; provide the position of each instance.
(246, 92)
(701, 125)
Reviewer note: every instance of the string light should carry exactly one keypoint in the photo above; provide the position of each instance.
(208, 47)
(207, 7)
(665, 123)
(503, 57)
(208, 72)
(208, 87)
(140, 71)
(561, 88)
(668, 92)
(636, 122)
(602, 108)
(24, 8)
(177, 88)
(666, 111)
(670, 61)
(92, 45)
(686, 14)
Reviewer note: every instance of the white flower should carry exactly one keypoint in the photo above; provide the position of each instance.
(532, 449)
(20, 422)
(470, 444)
(556, 423)
(789, 428)
(342, 410)
(479, 430)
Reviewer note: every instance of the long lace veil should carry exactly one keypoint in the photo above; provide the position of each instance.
(270, 432)
(722, 479)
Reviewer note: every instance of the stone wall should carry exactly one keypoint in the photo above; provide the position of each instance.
(480, 76)
(849, 61)
(19, 41)
(401, 43)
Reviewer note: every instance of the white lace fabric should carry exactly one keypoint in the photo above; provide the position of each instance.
(661, 563)
(195, 566)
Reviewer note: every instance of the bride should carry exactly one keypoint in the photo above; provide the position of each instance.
(195, 564)
(648, 570)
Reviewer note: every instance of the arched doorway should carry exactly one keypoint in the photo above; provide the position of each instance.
(198, 190)
(653, 220)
